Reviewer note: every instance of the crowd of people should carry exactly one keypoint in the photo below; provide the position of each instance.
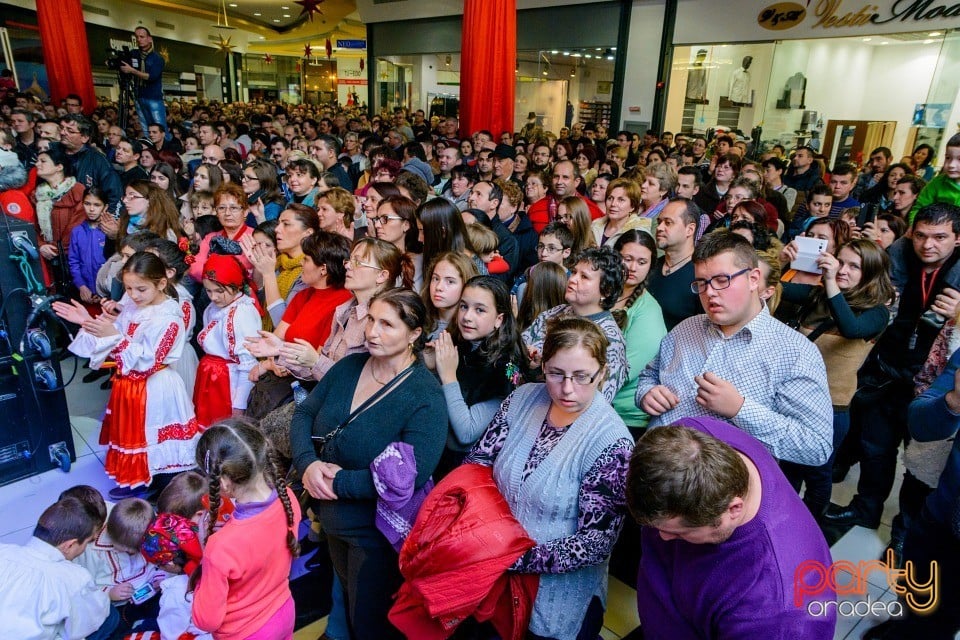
(540, 339)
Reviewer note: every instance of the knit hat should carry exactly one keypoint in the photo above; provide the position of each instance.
(394, 475)
(172, 538)
(418, 167)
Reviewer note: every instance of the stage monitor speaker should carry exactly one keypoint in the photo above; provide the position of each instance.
(35, 431)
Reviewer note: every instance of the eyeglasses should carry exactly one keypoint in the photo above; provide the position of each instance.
(548, 248)
(382, 220)
(247, 178)
(717, 283)
(581, 379)
(133, 196)
(356, 264)
(235, 208)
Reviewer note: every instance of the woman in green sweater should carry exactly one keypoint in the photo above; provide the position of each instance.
(639, 317)
(368, 401)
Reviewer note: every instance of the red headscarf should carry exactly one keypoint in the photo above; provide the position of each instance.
(227, 271)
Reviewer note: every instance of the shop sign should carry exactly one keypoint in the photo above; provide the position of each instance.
(701, 21)
(782, 15)
(351, 44)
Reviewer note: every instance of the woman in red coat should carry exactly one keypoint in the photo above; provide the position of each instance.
(58, 201)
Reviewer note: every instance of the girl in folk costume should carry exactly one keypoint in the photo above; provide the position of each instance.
(223, 383)
(177, 260)
(149, 424)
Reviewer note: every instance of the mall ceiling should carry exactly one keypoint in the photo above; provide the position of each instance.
(283, 25)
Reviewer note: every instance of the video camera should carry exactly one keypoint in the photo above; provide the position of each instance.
(116, 58)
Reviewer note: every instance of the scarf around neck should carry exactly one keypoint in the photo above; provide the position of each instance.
(288, 270)
(46, 197)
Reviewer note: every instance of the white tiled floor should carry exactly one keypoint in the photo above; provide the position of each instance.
(22, 502)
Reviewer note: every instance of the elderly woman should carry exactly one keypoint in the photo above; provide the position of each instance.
(595, 284)
(369, 401)
(230, 205)
(658, 185)
(559, 455)
(623, 202)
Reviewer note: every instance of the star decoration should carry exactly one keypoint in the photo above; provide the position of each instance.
(224, 45)
(268, 59)
(165, 54)
(307, 50)
(329, 48)
(309, 7)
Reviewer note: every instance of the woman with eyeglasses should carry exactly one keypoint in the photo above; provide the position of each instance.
(373, 266)
(147, 207)
(260, 183)
(396, 222)
(559, 454)
(230, 205)
(594, 285)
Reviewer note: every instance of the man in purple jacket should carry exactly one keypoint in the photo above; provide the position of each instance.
(729, 550)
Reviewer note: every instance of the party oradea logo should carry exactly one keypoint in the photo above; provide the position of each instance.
(813, 580)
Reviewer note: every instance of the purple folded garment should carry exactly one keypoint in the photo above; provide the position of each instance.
(394, 475)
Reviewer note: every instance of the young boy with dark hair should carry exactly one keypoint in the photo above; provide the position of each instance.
(43, 594)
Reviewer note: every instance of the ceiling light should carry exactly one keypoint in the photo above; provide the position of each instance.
(554, 52)
(577, 54)
(613, 48)
(933, 34)
(867, 39)
(566, 53)
(544, 72)
(587, 55)
(884, 42)
(234, 4)
(286, 15)
(276, 19)
(257, 13)
(599, 48)
(927, 41)
(609, 57)
(284, 8)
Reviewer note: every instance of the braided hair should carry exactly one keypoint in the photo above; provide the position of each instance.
(644, 239)
(235, 448)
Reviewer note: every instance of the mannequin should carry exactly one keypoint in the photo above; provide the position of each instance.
(697, 80)
(739, 90)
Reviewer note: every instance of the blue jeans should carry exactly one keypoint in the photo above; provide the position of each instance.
(108, 627)
(152, 112)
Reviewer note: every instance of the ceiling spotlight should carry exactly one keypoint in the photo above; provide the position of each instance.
(544, 72)
(599, 48)
(554, 52)
(566, 53)
(587, 55)
(234, 4)
(884, 42)
(276, 19)
(257, 13)
(286, 15)
(284, 8)
(573, 72)
(867, 39)
(933, 34)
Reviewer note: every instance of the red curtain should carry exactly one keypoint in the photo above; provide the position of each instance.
(66, 55)
(488, 66)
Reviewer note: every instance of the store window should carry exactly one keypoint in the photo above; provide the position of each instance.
(558, 86)
(843, 96)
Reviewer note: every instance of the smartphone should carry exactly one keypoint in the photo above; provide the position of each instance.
(142, 593)
(868, 213)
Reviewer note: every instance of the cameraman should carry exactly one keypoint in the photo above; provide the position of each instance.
(150, 106)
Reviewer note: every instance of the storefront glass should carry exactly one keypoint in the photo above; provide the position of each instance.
(843, 95)
(558, 85)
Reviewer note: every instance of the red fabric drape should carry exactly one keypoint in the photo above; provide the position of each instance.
(488, 66)
(63, 37)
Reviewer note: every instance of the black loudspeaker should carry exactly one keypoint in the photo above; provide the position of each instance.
(35, 432)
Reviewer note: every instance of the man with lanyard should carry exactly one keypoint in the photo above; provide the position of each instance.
(150, 107)
(925, 269)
